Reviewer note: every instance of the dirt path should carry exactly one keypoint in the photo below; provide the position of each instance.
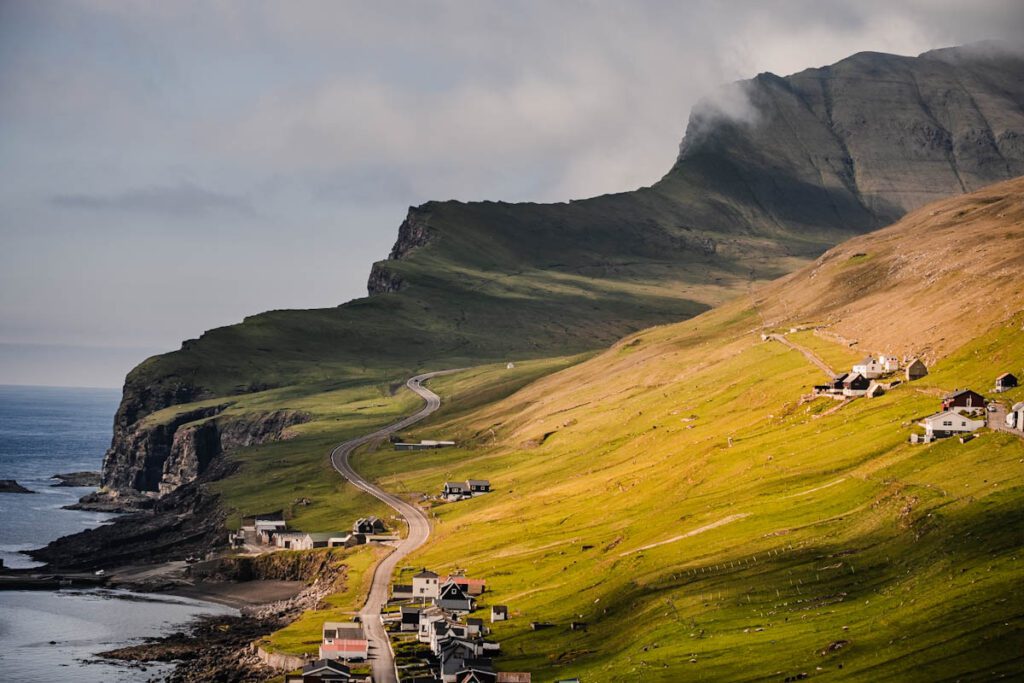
(688, 534)
(382, 659)
(810, 355)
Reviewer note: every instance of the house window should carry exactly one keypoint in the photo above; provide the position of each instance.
(947, 423)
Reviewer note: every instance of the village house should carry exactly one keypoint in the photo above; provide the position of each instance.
(455, 669)
(476, 627)
(1005, 381)
(478, 486)
(410, 620)
(428, 616)
(460, 490)
(855, 385)
(455, 490)
(425, 585)
(290, 540)
(916, 370)
(948, 423)
(889, 363)
(321, 671)
(499, 613)
(343, 640)
(963, 400)
(369, 526)
(424, 445)
(452, 598)
(1015, 417)
(469, 586)
(870, 367)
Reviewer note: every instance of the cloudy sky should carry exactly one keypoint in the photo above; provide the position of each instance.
(168, 167)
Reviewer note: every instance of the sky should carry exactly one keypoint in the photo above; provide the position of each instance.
(169, 167)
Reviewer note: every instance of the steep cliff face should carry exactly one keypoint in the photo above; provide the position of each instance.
(161, 457)
(802, 163)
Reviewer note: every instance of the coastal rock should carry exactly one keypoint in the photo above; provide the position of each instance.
(11, 486)
(159, 457)
(77, 479)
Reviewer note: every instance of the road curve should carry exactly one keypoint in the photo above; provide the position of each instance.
(383, 661)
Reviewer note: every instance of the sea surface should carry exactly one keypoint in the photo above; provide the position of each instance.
(43, 431)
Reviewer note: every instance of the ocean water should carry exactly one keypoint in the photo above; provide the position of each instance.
(44, 431)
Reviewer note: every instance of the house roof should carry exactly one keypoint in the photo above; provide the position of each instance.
(514, 677)
(425, 574)
(347, 645)
(867, 360)
(342, 630)
(327, 536)
(409, 609)
(1017, 406)
(1006, 375)
(478, 482)
(325, 665)
(961, 392)
(474, 622)
(499, 609)
(455, 484)
(466, 580)
(949, 413)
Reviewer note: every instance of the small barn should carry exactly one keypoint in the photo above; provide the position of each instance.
(916, 370)
(499, 613)
(1005, 381)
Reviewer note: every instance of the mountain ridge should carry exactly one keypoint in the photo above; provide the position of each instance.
(744, 203)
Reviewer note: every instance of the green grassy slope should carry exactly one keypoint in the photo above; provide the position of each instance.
(835, 529)
(681, 495)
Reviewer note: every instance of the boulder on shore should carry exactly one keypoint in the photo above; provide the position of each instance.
(11, 486)
(77, 479)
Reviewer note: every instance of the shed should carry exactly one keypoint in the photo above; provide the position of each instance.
(916, 370)
(1005, 381)
(499, 613)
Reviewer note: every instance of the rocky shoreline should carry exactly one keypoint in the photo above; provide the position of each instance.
(223, 648)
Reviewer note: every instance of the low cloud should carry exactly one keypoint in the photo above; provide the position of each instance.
(184, 200)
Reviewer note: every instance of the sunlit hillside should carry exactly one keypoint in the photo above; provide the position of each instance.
(683, 497)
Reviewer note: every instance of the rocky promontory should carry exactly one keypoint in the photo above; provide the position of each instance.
(11, 486)
(77, 479)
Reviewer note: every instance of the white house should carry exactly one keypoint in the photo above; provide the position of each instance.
(425, 585)
(870, 368)
(343, 640)
(1015, 417)
(949, 422)
(889, 363)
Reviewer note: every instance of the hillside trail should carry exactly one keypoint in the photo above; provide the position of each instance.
(382, 659)
(810, 355)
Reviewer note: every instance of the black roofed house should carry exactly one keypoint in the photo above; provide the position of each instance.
(855, 385)
(478, 486)
(1005, 381)
(410, 618)
(475, 627)
(455, 490)
(402, 591)
(321, 671)
(477, 675)
(369, 525)
(452, 598)
(963, 399)
(499, 613)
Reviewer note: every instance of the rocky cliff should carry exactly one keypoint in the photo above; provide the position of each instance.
(768, 176)
(158, 457)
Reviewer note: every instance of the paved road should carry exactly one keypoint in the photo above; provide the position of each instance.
(810, 355)
(383, 661)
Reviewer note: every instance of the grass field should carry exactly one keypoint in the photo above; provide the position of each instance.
(828, 534)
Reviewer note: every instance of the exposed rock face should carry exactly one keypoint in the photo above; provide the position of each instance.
(414, 232)
(160, 457)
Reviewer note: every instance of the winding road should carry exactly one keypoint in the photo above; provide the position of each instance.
(808, 354)
(383, 660)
